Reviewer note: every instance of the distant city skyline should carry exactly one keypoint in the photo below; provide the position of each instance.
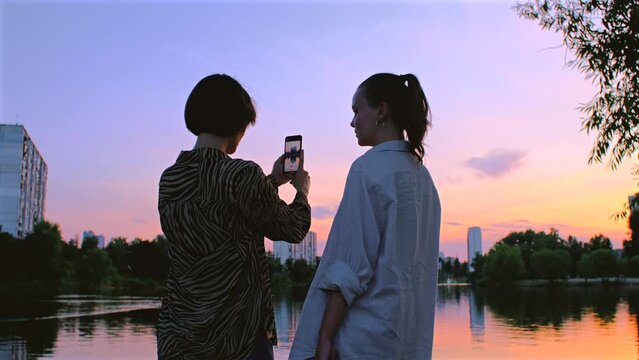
(101, 88)
(306, 250)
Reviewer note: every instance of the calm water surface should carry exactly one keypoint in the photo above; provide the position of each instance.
(566, 323)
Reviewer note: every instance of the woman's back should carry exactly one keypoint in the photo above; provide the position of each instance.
(215, 212)
(403, 289)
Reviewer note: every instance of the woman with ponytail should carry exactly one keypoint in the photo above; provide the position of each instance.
(373, 296)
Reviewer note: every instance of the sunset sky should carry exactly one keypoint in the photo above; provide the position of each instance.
(101, 87)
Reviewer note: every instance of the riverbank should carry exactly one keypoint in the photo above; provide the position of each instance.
(614, 281)
(116, 286)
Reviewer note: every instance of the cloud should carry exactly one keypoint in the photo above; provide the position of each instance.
(498, 162)
(139, 221)
(323, 212)
(452, 223)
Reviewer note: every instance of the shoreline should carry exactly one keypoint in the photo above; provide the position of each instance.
(600, 281)
(605, 281)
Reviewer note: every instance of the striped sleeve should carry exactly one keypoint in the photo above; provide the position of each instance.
(266, 212)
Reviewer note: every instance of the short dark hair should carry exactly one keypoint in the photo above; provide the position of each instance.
(407, 103)
(219, 105)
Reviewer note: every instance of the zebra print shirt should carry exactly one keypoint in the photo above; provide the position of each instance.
(215, 212)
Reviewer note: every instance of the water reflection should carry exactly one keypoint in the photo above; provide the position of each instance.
(523, 323)
(531, 323)
(530, 308)
(451, 298)
(287, 306)
(476, 308)
(287, 314)
(50, 327)
(25, 337)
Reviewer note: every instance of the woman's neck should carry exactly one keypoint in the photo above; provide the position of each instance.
(206, 140)
(387, 133)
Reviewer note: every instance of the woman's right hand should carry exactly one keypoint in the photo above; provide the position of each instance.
(302, 181)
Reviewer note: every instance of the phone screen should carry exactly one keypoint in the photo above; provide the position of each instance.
(291, 150)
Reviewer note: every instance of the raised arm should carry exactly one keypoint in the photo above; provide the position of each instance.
(266, 212)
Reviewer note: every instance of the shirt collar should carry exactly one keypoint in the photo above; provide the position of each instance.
(200, 153)
(391, 145)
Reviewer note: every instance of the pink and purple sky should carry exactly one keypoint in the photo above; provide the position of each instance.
(101, 86)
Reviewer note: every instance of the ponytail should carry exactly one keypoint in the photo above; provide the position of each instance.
(407, 103)
(417, 119)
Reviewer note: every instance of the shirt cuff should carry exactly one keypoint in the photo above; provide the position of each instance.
(339, 276)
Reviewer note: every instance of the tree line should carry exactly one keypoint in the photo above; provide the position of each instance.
(540, 255)
(293, 277)
(451, 270)
(44, 264)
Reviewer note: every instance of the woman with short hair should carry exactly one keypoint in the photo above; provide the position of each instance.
(215, 212)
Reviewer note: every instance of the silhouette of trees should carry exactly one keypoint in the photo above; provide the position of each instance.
(93, 269)
(43, 264)
(576, 249)
(631, 247)
(42, 253)
(453, 269)
(599, 242)
(293, 277)
(550, 264)
(601, 262)
(632, 267)
(548, 256)
(118, 251)
(504, 264)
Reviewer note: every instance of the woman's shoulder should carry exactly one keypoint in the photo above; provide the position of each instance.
(244, 164)
(369, 165)
(380, 166)
(233, 166)
(245, 169)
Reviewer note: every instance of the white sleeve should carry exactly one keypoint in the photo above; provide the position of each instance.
(354, 240)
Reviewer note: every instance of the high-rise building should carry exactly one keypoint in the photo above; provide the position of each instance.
(282, 250)
(474, 245)
(306, 250)
(23, 181)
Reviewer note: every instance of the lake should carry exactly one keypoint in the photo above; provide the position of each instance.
(525, 323)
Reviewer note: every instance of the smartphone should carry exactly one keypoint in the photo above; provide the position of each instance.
(292, 148)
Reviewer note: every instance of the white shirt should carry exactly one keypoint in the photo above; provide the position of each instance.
(381, 255)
